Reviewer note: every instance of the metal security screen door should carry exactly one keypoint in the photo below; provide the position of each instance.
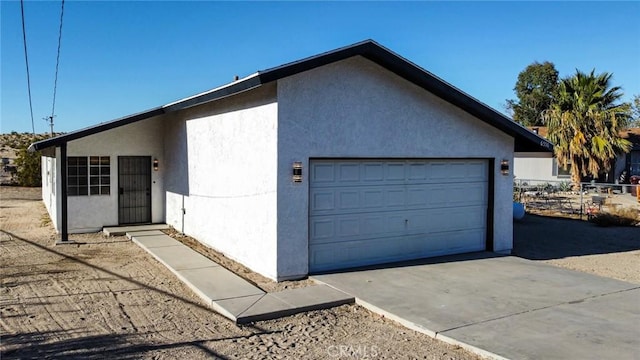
(134, 189)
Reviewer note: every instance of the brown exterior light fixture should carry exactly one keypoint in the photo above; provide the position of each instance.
(297, 172)
(155, 164)
(504, 167)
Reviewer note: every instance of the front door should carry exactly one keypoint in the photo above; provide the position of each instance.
(134, 189)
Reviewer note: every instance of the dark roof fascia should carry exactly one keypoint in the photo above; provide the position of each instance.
(312, 62)
(525, 140)
(225, 91)
(222, 92)
(59, 140)
(454, 96)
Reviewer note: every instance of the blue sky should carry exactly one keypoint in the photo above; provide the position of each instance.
(119, 58)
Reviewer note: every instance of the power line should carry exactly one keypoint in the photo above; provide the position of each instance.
(55, 82)
(26, 59)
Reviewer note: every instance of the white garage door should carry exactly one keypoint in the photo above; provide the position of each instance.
(365, 212)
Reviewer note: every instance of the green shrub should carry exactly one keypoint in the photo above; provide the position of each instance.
(565, 186)
(28, 168)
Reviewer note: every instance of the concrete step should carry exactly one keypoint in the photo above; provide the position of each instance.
(122, 230)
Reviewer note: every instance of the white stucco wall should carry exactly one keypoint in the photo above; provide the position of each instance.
(536, 166)
(222, 168)
(50, 188)
(143, 138)
(355, 108)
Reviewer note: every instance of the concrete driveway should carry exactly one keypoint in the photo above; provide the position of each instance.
(504, 306)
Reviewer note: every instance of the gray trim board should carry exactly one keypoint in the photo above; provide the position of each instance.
(64, 228)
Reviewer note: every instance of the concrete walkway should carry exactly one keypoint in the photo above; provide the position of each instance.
(227, 293)
(504, 306)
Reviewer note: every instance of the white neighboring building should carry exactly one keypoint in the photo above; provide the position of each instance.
(541, 166)
(351, 157)
(538, 166)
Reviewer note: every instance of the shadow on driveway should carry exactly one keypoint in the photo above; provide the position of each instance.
(545, 238)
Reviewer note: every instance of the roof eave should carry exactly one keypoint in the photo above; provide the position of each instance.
(419, 76)
(236, 87)
(368, 49)
(60, 139)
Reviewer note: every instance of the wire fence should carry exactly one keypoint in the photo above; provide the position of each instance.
(577, 199)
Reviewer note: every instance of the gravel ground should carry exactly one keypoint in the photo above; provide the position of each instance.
(107, 298)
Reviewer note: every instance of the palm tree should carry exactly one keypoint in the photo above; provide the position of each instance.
(584, 123)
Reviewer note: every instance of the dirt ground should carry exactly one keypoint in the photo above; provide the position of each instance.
(107, 298)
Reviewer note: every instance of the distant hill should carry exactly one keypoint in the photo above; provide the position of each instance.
(16, 140)
(9, 146)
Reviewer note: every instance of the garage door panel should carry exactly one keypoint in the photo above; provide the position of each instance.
(455, 195)
(349, 227)
(355, 253)
(446, 195)
(395, 197)
(396, 223)
(395, 172)
(454, 242)
(372, 211)
(356, 199)
(322, 200)
(460, 241)
(325, 257)
(418, 195)
(443, 220)
(321, 230)
(417, 171)
(424, 246)
(453, 219)
(348, 173)
(439, 196)
(373, 172)
(373, 198)
(375, 224)
(374, 251)
(341, 201)
(349, 199)
(461, 171)
(322, 173)
(477, 171)
(440, 171)
(418, 222)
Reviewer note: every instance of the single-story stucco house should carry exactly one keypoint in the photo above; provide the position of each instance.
(543, 165)
(355, 156)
